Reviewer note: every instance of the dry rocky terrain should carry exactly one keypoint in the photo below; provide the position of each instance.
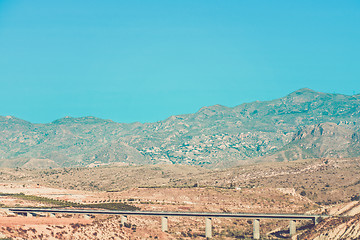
(325, 181)
(162, 199)
(322, 186)
(302, 125)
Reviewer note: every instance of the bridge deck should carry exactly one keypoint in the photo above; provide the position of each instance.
(176, 214)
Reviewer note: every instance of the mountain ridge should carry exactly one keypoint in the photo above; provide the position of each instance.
(214, 136)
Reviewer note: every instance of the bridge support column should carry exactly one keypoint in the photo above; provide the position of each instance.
(316, 220)
(292, 228)
(164, 224)
(208, 230)
(123, 219)
(256, 229)
(52, 215)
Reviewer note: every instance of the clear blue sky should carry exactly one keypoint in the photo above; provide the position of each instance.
(147, 60)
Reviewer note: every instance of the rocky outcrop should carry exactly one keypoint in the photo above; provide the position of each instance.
(335, 229)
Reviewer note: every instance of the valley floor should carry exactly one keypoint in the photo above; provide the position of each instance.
(319, 186)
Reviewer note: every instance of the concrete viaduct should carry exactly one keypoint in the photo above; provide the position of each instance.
(164, 217)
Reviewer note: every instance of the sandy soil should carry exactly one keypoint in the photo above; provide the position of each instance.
(38, 190)
(22, 221)
(101, 227)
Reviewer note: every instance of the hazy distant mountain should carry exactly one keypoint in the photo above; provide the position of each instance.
(303, 124)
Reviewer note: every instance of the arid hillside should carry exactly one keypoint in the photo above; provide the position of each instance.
(304, 124)
(336, 228)
(323, 180)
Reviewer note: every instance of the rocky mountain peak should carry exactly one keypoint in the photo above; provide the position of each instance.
(84, 120)
(216, 107)
(11, 120)
(302, 95)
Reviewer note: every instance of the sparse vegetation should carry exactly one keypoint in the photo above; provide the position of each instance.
(284, 129)
(60, 203)
(314, 178)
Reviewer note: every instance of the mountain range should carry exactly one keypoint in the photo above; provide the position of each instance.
(304, 124)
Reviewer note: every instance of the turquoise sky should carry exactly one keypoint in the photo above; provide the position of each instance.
(146, 60)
